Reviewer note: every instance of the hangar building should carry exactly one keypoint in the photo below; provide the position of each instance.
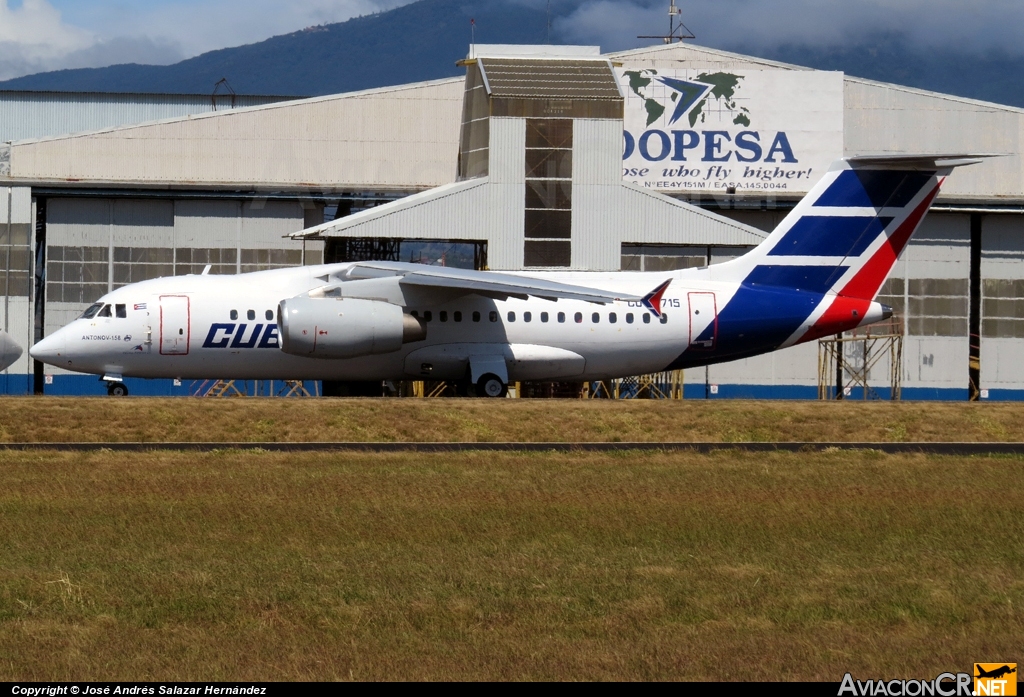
(541, 157)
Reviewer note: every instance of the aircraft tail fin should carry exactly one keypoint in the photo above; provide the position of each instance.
(844, 237)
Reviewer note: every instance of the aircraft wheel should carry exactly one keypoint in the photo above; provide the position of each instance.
(117, 389)
(490, 385)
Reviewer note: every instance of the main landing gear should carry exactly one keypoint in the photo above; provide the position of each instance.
(117, 389)
(490, 385)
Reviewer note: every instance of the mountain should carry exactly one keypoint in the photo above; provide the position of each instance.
(993, 77)
(422, 41)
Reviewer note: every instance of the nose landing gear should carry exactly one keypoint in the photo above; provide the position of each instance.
(115, 388)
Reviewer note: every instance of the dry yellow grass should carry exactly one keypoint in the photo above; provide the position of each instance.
(56, 419)
(239, 565)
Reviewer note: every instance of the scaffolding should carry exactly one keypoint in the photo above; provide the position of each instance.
(845, 363)
(260, 388)
(664, 385)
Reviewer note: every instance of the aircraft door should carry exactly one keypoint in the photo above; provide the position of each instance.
(703, 320)
(175, 321)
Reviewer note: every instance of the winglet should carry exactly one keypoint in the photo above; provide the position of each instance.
(652, 301)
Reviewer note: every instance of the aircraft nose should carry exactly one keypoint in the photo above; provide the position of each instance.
(9, 351)
(51, 349)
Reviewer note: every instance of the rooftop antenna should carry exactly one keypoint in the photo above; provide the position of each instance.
(549, 21)
(472, 36)
(216, 88)
(676, 34)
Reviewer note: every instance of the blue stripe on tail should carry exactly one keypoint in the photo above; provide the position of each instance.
(813, 279)
(823, 236)
(873, 188)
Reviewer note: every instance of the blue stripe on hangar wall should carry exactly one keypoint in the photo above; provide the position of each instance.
(90, 385)
(85, 385)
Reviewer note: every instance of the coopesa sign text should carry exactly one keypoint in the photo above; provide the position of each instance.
(708, 146)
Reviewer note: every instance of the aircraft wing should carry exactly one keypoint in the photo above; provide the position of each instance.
(487, 283)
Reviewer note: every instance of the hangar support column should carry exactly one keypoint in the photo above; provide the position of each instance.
(974, 318)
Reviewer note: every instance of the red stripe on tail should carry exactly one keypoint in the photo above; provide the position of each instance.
(851, 304)
(869, 279)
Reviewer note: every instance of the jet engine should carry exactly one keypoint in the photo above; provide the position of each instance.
(344, 327)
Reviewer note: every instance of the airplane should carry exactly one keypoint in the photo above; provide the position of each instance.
(816, 274)
(994, 673)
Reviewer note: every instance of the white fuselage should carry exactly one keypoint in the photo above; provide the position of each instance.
(192, 327)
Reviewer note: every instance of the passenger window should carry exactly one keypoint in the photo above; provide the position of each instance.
(493, 316)
(511, 316)
(270, 315)
(105, 312)
(543, 317)
(561, 316)
(476, 316)
(443, 315)
(527, 316)
(428, 315)
(612, 318)
(595, 318)
(629, 318)
(251, 314)
(91, 311)
(647, 318)
(458, 316)
(664, 318)
(120, 310)
(578, 317)
(234, 314)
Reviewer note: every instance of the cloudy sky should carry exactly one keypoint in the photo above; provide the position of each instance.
(39, 35)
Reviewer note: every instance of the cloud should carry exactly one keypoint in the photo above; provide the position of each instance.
(198, 26)
(33, 38)
(124, 49)
(976, 26)
(37, 37)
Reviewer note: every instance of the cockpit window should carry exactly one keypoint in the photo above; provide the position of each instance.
(121, 311)
(105, 312)
(91, 311)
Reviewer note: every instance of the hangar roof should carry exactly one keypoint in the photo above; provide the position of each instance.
(559, 79)
(390, 139)
(28, 114)
(406, 138)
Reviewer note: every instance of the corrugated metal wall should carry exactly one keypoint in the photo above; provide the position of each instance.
(26, 115)
(95, 245)
(17, 254)
(388, 139)
(890, 119)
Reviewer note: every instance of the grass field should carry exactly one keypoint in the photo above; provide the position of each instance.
(56, 419)
(248, 565)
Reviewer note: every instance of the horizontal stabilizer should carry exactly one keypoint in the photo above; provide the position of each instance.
(919, 162)
(652, 301)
